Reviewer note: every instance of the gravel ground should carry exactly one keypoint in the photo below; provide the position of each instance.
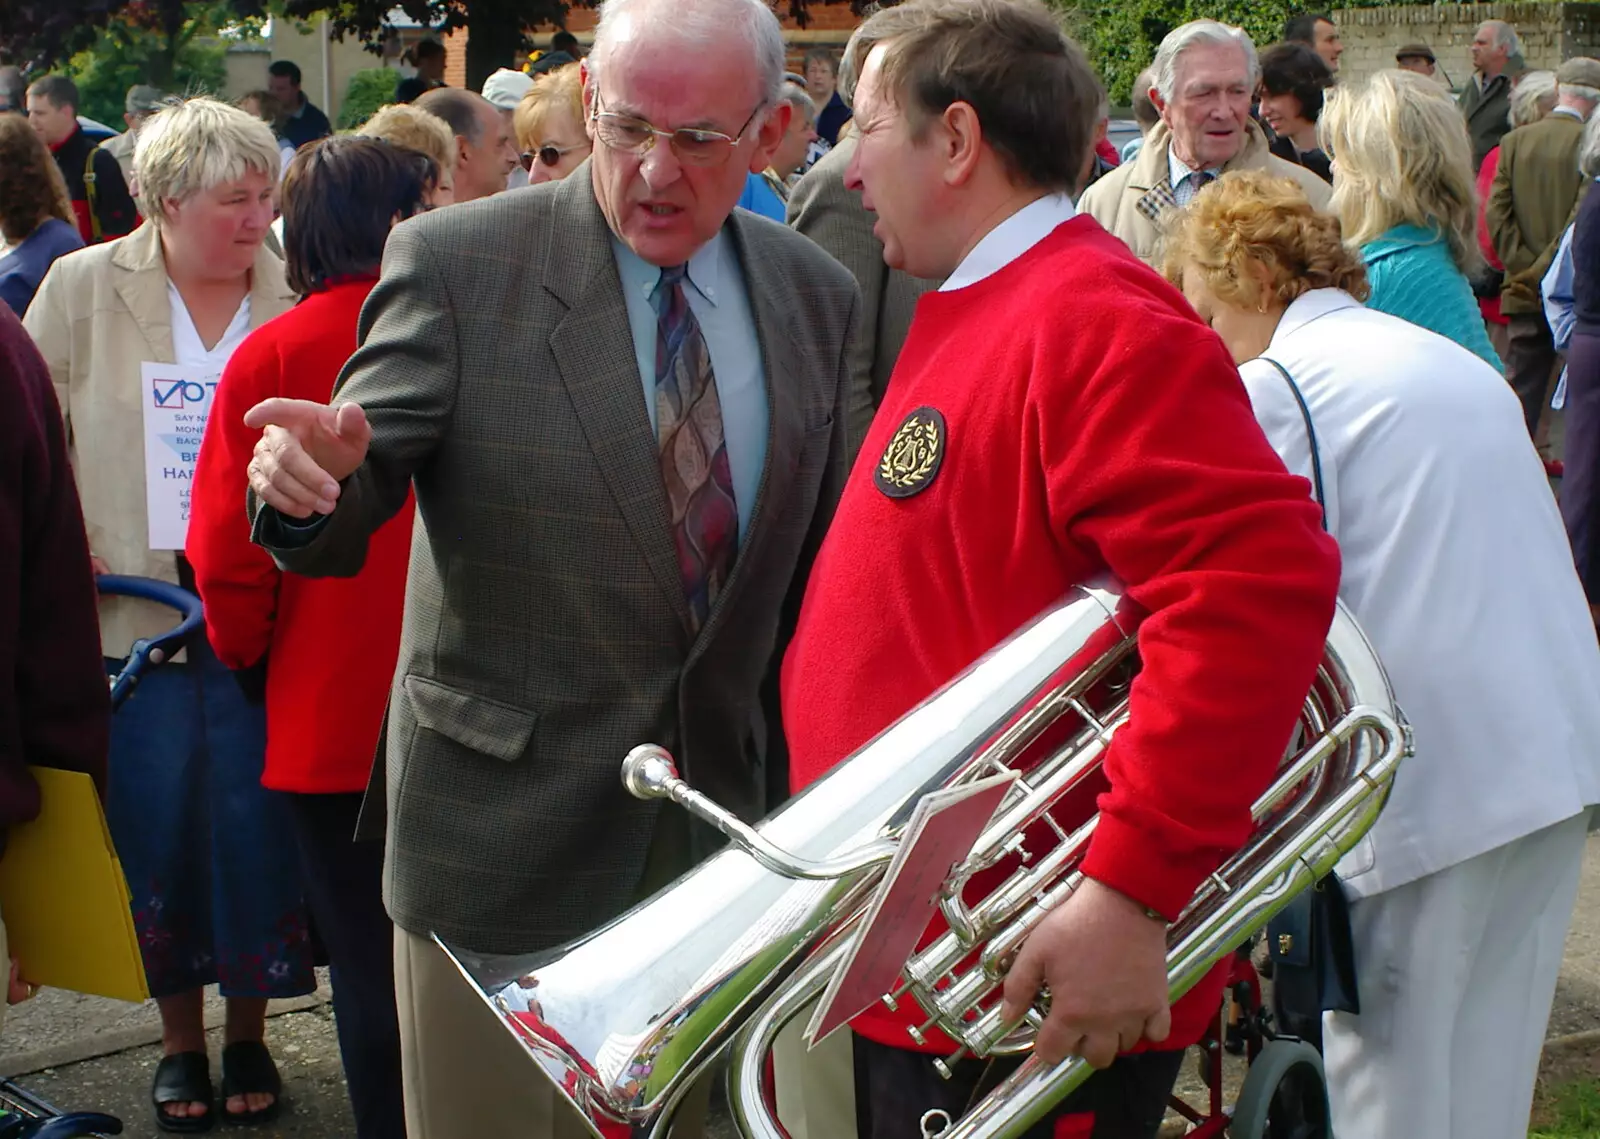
(84, 1053)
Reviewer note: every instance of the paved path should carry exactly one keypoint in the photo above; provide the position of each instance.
(85, 1052)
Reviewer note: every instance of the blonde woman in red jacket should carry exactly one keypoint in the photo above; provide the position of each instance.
(321, 653)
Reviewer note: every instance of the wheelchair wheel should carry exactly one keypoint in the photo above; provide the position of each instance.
(1284, 1095)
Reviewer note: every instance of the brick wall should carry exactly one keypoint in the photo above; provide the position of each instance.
(1550, 32)
(830, 26)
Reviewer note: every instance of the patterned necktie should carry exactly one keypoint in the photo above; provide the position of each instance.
(694, 457)
(1190, 187)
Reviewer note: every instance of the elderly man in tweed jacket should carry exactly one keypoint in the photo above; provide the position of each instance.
(1203, 78)
(1533, 199)
(622, 406)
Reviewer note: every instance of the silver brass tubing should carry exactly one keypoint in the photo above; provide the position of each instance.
(650, 773)
(1032, 1091)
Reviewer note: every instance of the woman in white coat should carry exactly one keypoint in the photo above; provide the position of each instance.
(1457, 567)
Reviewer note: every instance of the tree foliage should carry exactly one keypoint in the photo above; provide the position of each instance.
(40, 34)
(185, 59)
(367, 91)
(1121, 36)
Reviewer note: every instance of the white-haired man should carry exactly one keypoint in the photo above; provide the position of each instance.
(797, 140)
(1203, 79)
(1486, 99)
(1531, 203)
(621, 404)
(1042, 457)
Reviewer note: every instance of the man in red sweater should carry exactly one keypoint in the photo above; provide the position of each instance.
(1069, 416)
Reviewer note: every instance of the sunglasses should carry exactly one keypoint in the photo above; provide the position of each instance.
(549, 155)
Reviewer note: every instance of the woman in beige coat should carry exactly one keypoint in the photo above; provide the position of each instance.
(206, 850)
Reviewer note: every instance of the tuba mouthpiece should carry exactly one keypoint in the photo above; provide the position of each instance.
(649, 772)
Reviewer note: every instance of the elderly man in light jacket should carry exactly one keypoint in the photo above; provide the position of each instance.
(1204, 76)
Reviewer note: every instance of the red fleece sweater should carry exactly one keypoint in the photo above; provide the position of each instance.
(331, 643)
(1092, 424)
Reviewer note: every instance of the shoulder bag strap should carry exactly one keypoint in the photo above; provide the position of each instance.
(91, 193)
(1311, 436)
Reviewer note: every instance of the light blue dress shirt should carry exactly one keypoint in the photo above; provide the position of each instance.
(760, 198)
(721, 304)
(1184, 178)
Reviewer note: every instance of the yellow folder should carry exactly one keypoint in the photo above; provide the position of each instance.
(64, 899)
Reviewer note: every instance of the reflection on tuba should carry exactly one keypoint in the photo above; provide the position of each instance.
(625, 1019)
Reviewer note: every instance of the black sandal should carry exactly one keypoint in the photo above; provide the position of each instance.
(184, 1077)
(248, 1069)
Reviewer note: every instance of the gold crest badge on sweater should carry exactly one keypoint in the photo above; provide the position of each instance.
(914, 454)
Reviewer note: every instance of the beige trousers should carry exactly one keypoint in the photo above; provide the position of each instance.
(466, 1076)
(816, 1088)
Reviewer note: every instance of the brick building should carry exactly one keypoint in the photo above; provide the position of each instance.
(830, 26)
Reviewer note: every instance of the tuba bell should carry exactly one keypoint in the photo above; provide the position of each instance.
(624, 1020)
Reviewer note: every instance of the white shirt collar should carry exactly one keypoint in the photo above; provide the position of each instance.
(1011, 239)
(1572, 111)
(1306, 308)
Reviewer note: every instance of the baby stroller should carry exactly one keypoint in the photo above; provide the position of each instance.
(24, 1115)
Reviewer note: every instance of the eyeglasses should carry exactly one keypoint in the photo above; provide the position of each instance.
(549, 155)
(693, 146)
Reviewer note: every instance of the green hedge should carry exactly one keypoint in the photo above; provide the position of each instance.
(1121, 36)
(368, 90)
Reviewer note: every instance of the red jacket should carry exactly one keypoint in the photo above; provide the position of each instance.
(1489, 306)
(331, 643)
(1091, 423)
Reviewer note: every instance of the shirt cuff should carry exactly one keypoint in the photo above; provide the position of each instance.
(290, 533)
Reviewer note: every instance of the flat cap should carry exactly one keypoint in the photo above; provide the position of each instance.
(143, 100)
(1579, 71)
(1420, 51)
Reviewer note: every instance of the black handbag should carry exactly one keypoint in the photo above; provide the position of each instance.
(1309, 942)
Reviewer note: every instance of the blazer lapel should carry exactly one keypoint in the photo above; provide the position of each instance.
(780, 358)
(142, 285)
(593, 348)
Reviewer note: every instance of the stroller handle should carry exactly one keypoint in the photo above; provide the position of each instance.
(149, 651)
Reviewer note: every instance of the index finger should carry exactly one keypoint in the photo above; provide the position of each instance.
(278, 409)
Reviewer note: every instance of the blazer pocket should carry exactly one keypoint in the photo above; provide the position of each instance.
(489, 727)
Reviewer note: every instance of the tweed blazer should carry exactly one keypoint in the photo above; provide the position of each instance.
(100, 313)
(1531, 201)
(826, 211)
(1129, 201)
(546, 630)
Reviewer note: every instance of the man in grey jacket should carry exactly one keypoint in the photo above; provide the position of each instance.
(1485, 101)
(829, 213)
(622, 407)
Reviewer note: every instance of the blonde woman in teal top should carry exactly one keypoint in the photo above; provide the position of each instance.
(1405, 195)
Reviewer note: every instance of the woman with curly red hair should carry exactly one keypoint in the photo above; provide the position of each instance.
(1456, 565)
(36, 220)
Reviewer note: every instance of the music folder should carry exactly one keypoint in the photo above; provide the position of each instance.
(63, 896)
(941, 832)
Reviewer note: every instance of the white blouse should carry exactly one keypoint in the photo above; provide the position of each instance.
(190, 351)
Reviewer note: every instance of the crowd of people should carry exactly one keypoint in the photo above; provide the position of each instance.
(550, 420)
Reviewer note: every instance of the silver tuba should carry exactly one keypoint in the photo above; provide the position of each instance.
(624, 1020)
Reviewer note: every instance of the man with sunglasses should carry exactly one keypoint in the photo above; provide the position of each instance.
(622, 406)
